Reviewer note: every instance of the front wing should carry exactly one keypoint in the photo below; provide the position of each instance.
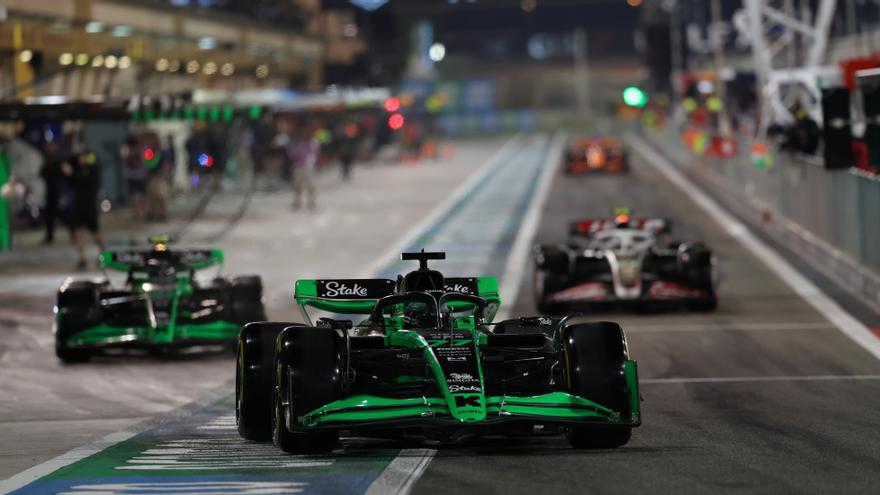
(145, 336)
(364, 411)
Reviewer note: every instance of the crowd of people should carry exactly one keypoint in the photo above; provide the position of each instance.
(283, 151)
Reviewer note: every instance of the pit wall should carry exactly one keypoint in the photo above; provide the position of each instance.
(831, 218)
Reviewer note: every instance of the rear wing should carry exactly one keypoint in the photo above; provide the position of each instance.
(588, 227)
(349, 296)
(359, 296)
(127, 260)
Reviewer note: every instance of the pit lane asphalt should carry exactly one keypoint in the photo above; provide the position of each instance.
(47, 408)
(781, 409)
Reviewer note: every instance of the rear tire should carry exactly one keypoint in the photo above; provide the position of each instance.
(310, 373)
(595, 355)
(255, 379)
(246, 295)
(79, 308)
(540, 291)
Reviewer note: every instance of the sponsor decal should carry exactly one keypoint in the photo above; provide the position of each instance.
(194, 256)
(461, 285)
(593, 291)
(456, 389)
(129, 258)
(354, 289)
(672, 290)
(445, 336)
(461, 377)
(336, 289)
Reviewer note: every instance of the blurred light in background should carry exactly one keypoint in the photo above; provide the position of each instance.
(396, 121)
(106, 206)
(207, 43)
(633, 3)
(94, 27)
(65, 58)
(162, 64)
(262, 71)
(26, 56)
(227, 69)
(635, 96)
(98, 61)
(392, 104)
(437, 52)
(210, 68)
(174, 66)
(528, 5)
(121, 31)
(705, 86)
(192, 67)
(350, 30)
(206, 160)
(368, 5)
(110, 61)
(124, 62)
(81, 59)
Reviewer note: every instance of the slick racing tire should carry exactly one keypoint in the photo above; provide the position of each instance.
(79, 307)
(247, 299)
(594, 356)
(540, 280)
(310, 373)
(700, 270)
(255, 379)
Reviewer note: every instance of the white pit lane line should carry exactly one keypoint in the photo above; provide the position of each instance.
(851, 327)
(749, 379)
(401, 474)
(517, 261)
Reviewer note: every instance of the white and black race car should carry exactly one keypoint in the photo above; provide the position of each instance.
(624, 262)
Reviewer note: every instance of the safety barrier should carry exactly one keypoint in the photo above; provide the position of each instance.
(829, 217)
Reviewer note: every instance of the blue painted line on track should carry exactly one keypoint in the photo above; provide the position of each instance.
(202, 452)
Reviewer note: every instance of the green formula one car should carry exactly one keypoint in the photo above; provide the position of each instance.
(160, 303)
(428, 361)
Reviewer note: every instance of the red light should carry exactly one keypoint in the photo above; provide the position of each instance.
(351, 130)
(396, 121)
(149, 154)
(392, 104)
(621, 219)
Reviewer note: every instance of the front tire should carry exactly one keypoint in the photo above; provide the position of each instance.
(255, 379)
(309, 373)
(79, 308)
(595, 355)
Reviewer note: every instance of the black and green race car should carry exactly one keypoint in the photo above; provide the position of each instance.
(159, 305)
(428, 361)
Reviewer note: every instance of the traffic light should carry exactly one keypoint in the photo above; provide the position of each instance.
(635, 96)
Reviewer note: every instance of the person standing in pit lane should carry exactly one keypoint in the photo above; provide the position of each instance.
(306, 152)
(83, 178)
(50, 172)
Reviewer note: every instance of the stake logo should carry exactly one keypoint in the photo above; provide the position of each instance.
(336, 289)
(458, 288)
(456, 389)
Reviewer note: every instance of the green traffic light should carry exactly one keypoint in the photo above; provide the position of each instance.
(635, 96)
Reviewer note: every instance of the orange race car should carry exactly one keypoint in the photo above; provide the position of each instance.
(595, 154)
